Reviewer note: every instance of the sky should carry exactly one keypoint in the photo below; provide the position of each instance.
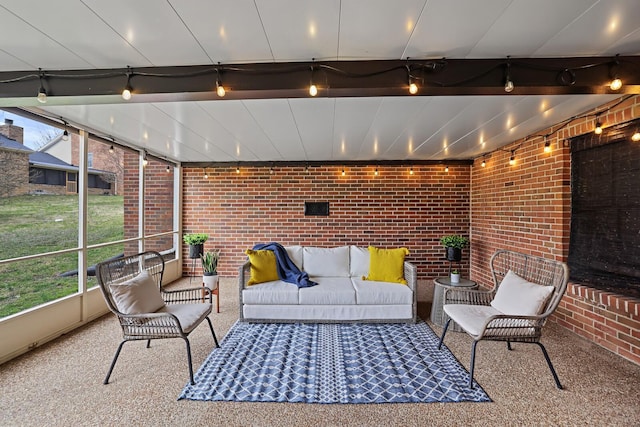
(34, 132)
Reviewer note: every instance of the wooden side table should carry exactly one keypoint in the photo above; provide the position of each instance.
(441, 284)
(215, 292)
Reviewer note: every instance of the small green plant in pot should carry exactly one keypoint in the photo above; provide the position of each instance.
(210, 268)
(453, 244)
(196, 243)
(455, 276)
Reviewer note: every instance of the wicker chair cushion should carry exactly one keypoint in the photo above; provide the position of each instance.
(518, 297)
(138, 295)
(189, 315)
(471, 318)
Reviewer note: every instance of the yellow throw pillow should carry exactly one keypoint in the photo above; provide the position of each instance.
(263, 266)
(387, 265)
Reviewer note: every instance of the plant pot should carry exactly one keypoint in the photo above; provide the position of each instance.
(455, 278)
(454, 254)
(195, 251)
(210, 281)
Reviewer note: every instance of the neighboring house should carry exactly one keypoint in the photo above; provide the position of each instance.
(100, 158)
(24, 171)
(49, 174)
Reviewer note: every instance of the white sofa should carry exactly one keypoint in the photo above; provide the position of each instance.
(340, 296)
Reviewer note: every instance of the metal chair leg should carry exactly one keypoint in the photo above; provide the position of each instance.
(113, 362)
(473, 363)
(186, 340)
(148, 343)
(213, 332)
(509, 346)
(444, 332)
(553, 371)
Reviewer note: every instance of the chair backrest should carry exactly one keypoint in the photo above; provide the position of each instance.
(121, 269)
(541, 271)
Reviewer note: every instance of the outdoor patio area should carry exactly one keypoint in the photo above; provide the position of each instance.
(60, 384)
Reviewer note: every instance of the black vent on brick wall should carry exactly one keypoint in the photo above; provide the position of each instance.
(316, 208)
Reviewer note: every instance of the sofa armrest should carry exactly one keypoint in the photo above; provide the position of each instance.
(244, 274)
(411, 275)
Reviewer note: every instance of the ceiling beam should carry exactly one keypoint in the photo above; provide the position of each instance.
(441, 77)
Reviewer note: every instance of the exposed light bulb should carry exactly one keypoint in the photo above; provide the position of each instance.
(206, 175)
(343, 172)
(111, 150)
(446, 169)
(145, 162)
(126, 93)
(65, 135)
(238, 169)
(508, 86)
(42, 95)
(413, 88)
(168, 169)
(313, 90)
(271, 170)
(512, 160)
(483, 164)
(636, 137)
(616, 84)
(376, 172)
(220, 90)
(547, 147)
(598, 129)
(410, 171)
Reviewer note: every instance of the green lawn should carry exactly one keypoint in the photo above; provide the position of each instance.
(46, 223)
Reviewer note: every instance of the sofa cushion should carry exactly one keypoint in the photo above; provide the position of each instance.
(329, 291)
(138, 295)
(326, 262)
(387, 265)
(295, 254)
(518, 297)
(263, 266)
(270, 293)
(358, 261)
(371, 292)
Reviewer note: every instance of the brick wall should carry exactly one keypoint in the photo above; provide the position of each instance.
(389, 210)
(158, 202)
(527, 207)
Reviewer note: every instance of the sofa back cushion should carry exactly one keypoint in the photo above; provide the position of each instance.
(326, 262)
(295, 254)
(359, 261)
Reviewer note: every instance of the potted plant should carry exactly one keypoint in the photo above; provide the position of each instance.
(455, 276)
(210, 268)
(453, 245)
(196, 243)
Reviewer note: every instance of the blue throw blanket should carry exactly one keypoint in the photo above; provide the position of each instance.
(287, 270)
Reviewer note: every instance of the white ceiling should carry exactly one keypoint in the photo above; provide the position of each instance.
(87, 34)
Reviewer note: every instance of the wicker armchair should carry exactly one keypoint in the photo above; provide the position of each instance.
(472, 310)
(132, 288)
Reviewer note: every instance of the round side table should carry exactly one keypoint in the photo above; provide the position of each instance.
(438, 316)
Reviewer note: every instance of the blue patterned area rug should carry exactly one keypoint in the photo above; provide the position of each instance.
(332, 363)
